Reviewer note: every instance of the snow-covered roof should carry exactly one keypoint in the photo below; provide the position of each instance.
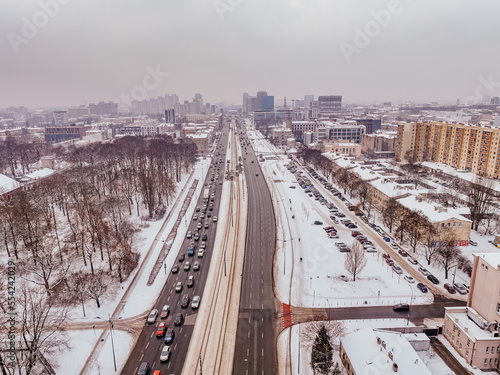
(197, 135)
(7, 184)
(389, 189)
(44, 172)
(367, 356)
(434, 212)
(493, 259)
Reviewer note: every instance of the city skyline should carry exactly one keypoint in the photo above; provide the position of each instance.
(60, 53)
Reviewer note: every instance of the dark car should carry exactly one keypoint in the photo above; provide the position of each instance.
(182, 257)
(450, 288)
(433, 279)
(422, 288)
(169, 336)
(204, 237)
(401, 307)
(175, 269)
(317, 222)
(185, 301)
(179, 318)
(143, 369)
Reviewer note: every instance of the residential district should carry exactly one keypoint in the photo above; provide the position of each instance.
(276, 236)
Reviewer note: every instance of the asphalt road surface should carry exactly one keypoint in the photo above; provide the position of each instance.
(148, 345)
(255, 351)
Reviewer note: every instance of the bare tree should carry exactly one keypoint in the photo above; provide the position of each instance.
(98, 286)
(479, 199)
(391, 212)
(355, 260)
(429, 242)
(40, 333)
(448, 254)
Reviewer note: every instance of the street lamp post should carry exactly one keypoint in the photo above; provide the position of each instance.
(411, 299)
(112, 343)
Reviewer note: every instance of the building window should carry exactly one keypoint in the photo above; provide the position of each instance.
(468, 342)
(487, 349)
(485, 361)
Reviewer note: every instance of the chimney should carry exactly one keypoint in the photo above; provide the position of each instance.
(466, 328)
(383, 344)
(378, 340)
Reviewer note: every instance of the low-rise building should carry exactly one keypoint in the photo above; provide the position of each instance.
(473, 331)
(371, 351)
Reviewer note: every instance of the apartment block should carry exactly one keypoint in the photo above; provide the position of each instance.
(467, 147)
(473, 330)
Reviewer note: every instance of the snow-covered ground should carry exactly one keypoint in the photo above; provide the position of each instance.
(316, 280)
(300, 354)
(142, 297)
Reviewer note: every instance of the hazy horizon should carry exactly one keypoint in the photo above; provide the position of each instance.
(367, 51)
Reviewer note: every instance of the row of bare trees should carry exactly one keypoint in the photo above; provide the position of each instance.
(18, 157)
(73, 234)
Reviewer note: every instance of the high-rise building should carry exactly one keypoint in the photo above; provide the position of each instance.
(245, 100)
(308, 99)
(103, 108)
(467, 147)
(170, 116)
(329, 104)
(372, 125)
(267, 103)
(60, 118)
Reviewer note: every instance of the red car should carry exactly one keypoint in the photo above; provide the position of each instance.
(160, 331)
(402, 253)
(386, 256)
(329, 229)
(355, 233)
(450, 288)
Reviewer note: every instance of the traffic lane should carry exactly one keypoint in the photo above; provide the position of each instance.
(168, 296)
(417, 312)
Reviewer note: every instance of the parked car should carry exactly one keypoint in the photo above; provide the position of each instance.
(386, 256)
(165, 311)
(152, 316)
(433, 279)
(422, 288)
(410, 279)
(423, 271)
(387, 239)
(397, 269)
(389, 261)
(460, 288)
(473, 243)
(160, 330)
(402, 253)
(394, 245)
(317, 222)
(401, 307)
(412, 260)
(450, 288)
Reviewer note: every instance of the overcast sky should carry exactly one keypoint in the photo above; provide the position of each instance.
(91, 50)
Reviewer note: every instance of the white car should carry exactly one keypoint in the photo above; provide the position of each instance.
(201, 252)
(165, 353)
(215, 218)
(152, 316)
(410, 279)
(196, 302)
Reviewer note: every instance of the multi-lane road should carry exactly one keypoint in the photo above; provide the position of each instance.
(255, 351)
(148, 346)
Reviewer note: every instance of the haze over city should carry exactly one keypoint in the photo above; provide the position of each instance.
(87, 51)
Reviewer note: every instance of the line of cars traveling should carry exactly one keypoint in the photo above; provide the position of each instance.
(191, 260)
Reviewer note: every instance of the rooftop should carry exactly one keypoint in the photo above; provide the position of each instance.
(7, 184)
(368, 356)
